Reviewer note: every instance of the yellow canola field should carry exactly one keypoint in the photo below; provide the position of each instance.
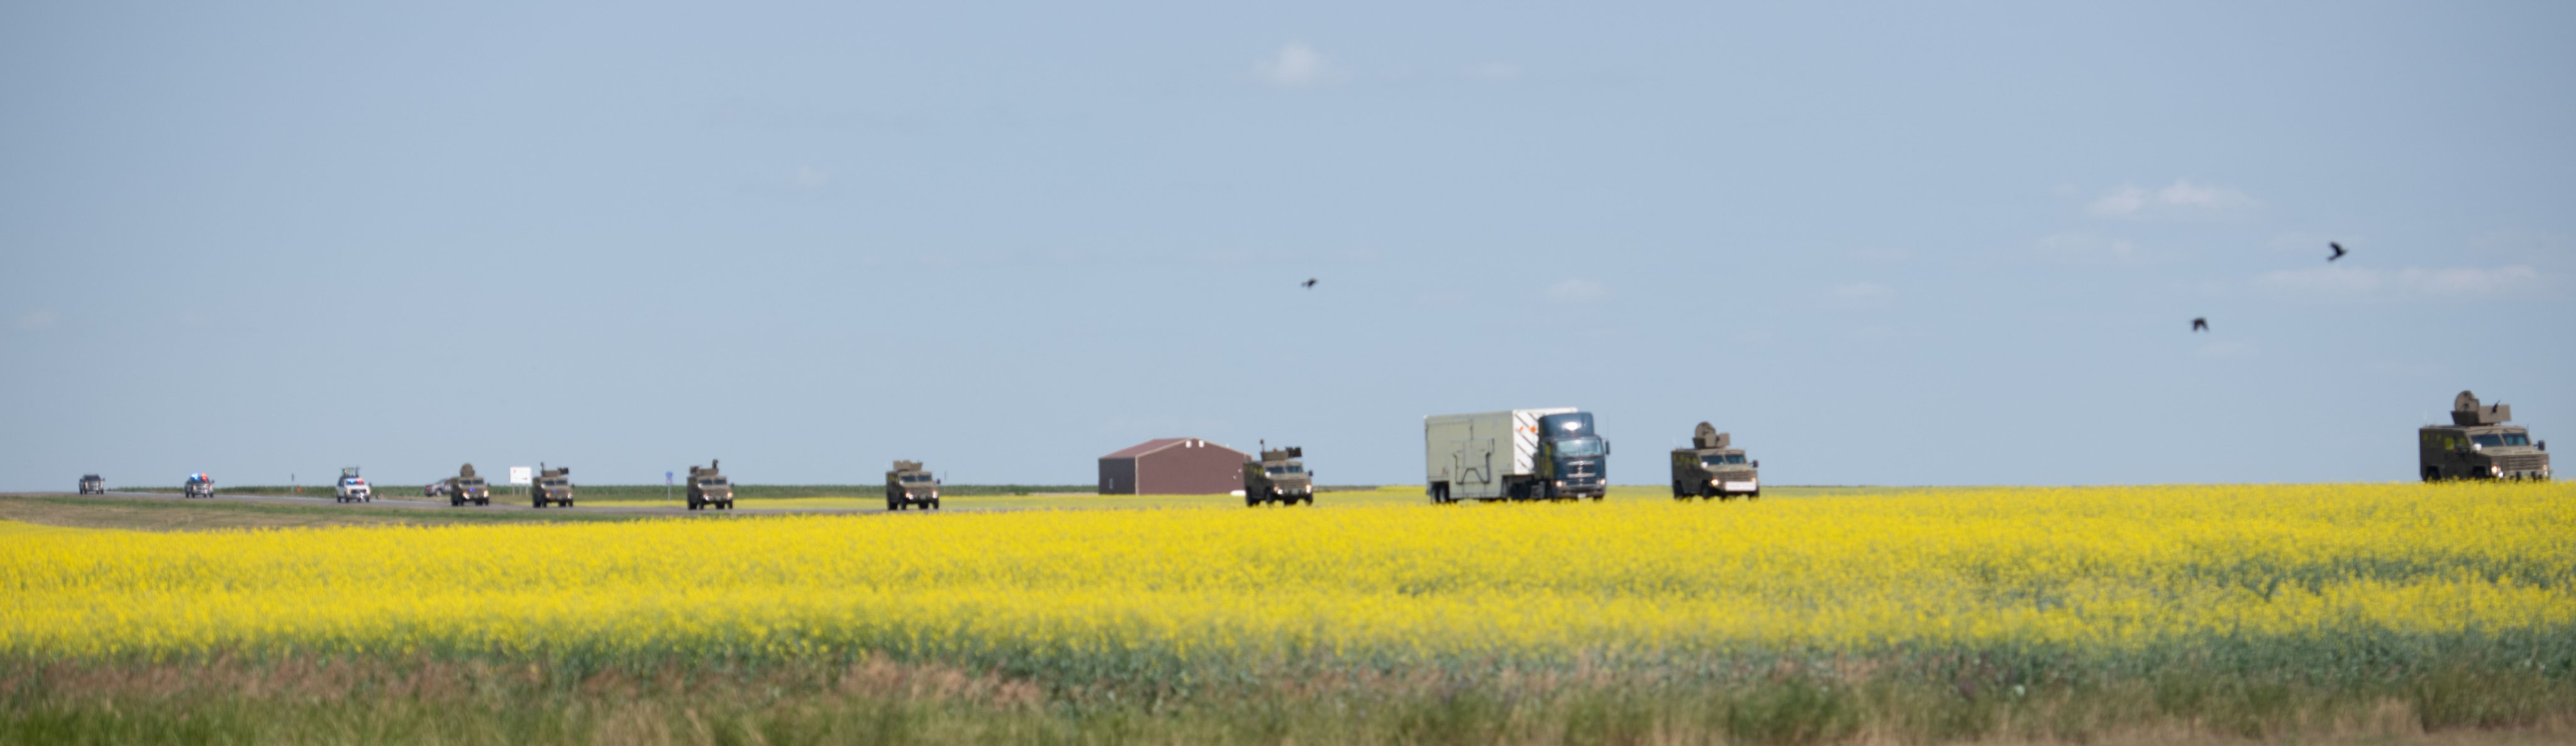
(2097, 568)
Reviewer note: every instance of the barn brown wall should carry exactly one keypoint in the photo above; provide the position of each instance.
(1206, 470)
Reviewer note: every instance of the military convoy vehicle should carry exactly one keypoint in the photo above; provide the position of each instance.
(352, 488)
(909, 486)
(1517, 454)
(553, 487)
(90, 484)
(466, 487)
(199, 485)
(1711, 468)
(2478, 445)
(1279, 477)
(707, 488)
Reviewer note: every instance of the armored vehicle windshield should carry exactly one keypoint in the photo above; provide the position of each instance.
(915, 478)
(1715, 459)
(2500, 439)
(716, 482)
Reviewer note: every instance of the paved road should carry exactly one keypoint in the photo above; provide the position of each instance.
(497, 504)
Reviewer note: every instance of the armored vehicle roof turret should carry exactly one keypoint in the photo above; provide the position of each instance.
(2465, 411)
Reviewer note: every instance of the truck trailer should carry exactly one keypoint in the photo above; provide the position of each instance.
(1514, 454)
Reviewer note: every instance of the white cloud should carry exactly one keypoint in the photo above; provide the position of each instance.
(809, 178)
(34, 320)
(1494, 71)
(2086, 247)
(1860, 294)
(1297, 66)
(2177, 199)
(2408, 282)
(1577, 290)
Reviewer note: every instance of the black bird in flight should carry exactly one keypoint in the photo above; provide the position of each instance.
(2338, 250)
(2200, 324)
(1309, 283)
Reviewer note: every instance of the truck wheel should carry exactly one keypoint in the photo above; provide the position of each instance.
(2432, 474)
(934, 503)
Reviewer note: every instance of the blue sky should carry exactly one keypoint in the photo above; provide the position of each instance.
(1880, 243)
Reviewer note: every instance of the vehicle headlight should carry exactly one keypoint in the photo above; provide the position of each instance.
(2495, 471)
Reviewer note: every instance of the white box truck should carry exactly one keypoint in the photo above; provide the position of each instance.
(1517, 454)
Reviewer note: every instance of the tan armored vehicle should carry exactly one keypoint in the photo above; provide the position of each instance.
(709, 489)
(2478, 445)
(553, 487)
(1279, 477)
(1711, 467)
(909, 486)
(466, 487)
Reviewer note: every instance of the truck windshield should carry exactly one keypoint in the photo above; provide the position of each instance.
(2502, 439)
(2487, 440)
(472, 483)
(711, 482)
(1723, 458)
(1289, 469)
(553, 483)
(1580, 447)
(915, 478)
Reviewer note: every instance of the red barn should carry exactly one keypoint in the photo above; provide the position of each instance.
(1172, 466)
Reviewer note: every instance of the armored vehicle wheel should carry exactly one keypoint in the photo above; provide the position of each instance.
(728, 504)
(483, 502)
(1309, 499)
(2432, 474)
(934, 503)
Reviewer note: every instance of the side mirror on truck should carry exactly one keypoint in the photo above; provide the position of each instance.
(1757, 463)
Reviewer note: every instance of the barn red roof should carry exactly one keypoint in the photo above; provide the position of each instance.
(1158, 444)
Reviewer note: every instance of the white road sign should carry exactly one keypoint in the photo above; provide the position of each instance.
(522, 475)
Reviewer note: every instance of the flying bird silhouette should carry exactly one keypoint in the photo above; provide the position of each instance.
(2200, 324)
(2338, 250)
(1310, 285)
